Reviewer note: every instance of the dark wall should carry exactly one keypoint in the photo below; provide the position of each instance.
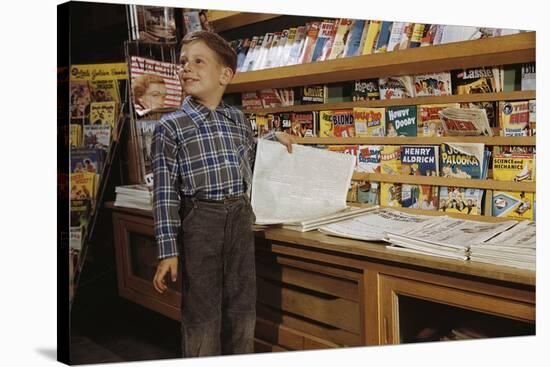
(97, 32)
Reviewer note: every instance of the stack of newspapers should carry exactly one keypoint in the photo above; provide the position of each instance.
(445, 236)
(134, 196)
(310, 224)
(514, 247)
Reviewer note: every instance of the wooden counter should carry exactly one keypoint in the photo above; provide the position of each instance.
(319, 291)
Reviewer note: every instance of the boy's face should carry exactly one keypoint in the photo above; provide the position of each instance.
(202, 74)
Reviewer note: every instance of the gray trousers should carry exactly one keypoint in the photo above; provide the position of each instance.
(219, 278)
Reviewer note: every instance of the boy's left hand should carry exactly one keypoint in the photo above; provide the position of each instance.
(286, 139)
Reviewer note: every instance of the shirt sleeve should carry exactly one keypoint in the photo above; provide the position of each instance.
(166, 200)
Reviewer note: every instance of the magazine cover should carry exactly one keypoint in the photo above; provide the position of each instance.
(420, 160)
(368, 158)
(369, 121)
(396, 87)
(368, 192)
(97, 136)
(86, 160)
(80, 98)
(475, 80)
(390, 159)
(103, 113)
(423, 197)
(429, 122)
(304, 124)
(460, 200)
(156, 24)
(105, 91)
(462, 160)
(155, 85)
(343, 123)
(514, 118)
(514, 166)
(312, 94)
(390, 194)
(513, 205)
(366, 89)
(83, 186)
(401, 121)
(145, 129)
(435, 84)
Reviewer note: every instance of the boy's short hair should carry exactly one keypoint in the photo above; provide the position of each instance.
(226, 54)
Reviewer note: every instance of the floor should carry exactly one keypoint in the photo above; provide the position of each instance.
(106, 328)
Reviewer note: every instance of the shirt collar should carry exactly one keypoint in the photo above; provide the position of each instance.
(198, 111)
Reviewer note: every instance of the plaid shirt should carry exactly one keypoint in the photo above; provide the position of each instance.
(198, 153)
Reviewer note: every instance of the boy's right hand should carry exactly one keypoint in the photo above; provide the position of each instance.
(170, 264)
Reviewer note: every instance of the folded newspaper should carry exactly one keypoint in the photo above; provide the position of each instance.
(465, 121)
(346, 214)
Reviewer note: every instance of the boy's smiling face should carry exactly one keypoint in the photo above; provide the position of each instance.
(203, 76)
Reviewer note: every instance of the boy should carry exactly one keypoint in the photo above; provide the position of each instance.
(203, 158)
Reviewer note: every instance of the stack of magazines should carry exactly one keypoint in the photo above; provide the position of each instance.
(514, 247)
(445, 236)
(134, 196)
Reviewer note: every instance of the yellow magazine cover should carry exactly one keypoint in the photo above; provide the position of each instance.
(514, 118)
(513, 205)
(75, 136)
(83, 186)
(262, 125)
(390, 159)
(326, 125)
(514, 167)
(103, 113)
(371, 37)
(460, 200)
(390, 194)
(345, 149)
(105, 91)
(428, 120)
(369, 121)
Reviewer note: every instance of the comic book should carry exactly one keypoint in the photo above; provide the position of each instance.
(514, 166)
(465, 122)
(309, 43)
(401, 121)
(164, 88)
(344, 149)
(476, 80)
(82, 186)
(368, 158)
(304, 124)
(340, 39)
(87, 160)
(343, 124)
(369, 121)
(97, 136)
(390, 159)
(434, 84)
(371, 37)
(103, 113)
(395, 87)
(366, 89)
(75, 135)
(528, 76)
(423, 197)
(251, 100)
(429, 122)
(311, 94)
(80, 98)
(368, 192)
(462, 160)
(105, 91)
(251, 117)
(326, 124)
(514, 118)
(490, 108)
(262, 125)
(286, 122)
(353, 42)
(420, 160)
(390, 194)
(513, 205)
(381, 45)
(417, 33)
(460, 200)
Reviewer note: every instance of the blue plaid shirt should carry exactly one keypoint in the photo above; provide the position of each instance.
(201, 153)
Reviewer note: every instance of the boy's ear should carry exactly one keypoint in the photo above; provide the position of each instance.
(226, 75)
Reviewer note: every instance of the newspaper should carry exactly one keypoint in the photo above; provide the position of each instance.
(311, 224)
(373, 226)
(521, 235)
(305, 184)
(452, 232)
(465, 121)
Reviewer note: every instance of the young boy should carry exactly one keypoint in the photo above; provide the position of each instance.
(202, 167)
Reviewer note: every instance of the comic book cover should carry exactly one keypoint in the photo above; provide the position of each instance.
(75, 135)
(429, 122)
(420, 160)
(476, 80)
(460, 200)
(366, 89)
(323, 44)
(528, 76)
(368, 192)
(401, 121)
(390, 194)
(304, 124)
(351, 196)
(311, 94)
(390, 159)
(395, 87)
(309, 42)
(433, 84)
(86, 160)
(371, 37)
(343, 123)
(262, 125)
(82, 186)
(490, 108)
(514, 166)
(353, 42)
(97, 136)
(462, 160)
(155, 85)
(514, 118)
(326, 125)
(286, 122)
(80, 98)
(105, 91)
(251, 117)
(340, 39)
(345, 149)
(513, 205)
(103, 113)
(423, 197)
(368, 158)
(251, 100)
(383, 37)
(369, 121)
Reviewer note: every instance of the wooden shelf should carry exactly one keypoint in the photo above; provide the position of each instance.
(517, 48)
(225, 20)
(482, 97)
(402, 140)
(447, 181)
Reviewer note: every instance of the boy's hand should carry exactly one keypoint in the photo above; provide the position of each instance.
(286, 139)
(170, 264)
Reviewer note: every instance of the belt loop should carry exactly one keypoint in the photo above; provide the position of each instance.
(194, 201)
